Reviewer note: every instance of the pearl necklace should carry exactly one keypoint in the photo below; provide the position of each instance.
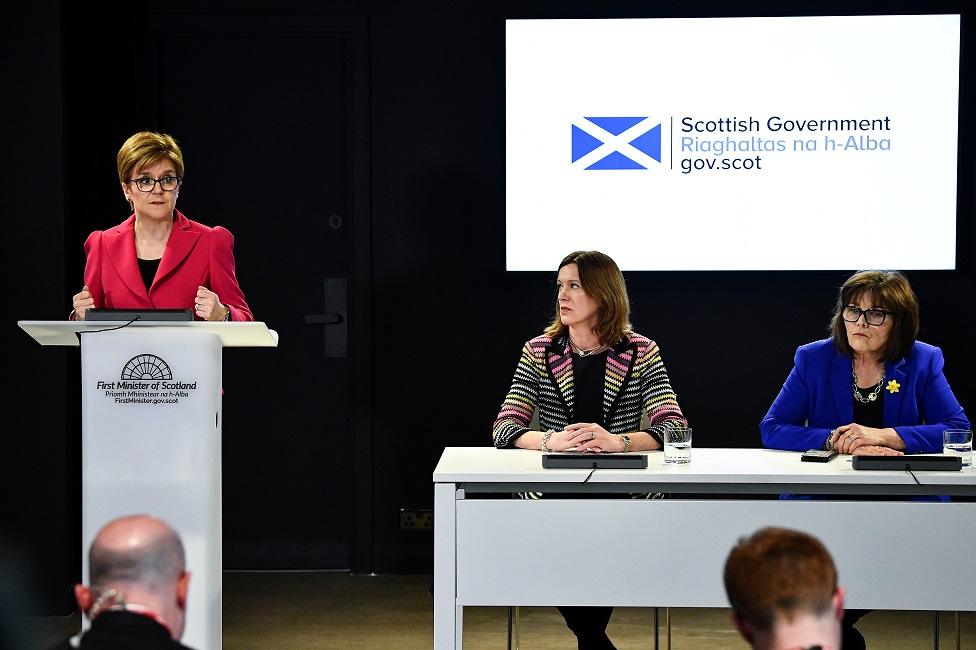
(873, 395)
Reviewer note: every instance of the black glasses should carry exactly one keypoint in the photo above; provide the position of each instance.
(166, 183)
(871, 316)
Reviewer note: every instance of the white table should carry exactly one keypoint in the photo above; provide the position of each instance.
(491, 549)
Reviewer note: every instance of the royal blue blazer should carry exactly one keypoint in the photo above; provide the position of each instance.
(818, 397)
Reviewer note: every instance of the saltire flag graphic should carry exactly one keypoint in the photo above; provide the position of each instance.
(616, 142)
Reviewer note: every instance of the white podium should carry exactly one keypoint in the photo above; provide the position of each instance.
(151, 437)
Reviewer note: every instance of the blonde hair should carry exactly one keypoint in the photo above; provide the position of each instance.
(147, 148)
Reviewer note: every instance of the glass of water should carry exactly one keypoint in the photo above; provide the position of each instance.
(958, 442)
(677, 445)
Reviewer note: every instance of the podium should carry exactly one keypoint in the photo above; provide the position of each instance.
(151, 437)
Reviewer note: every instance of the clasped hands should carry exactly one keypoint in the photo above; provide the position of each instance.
(859, 440)
(585, 436)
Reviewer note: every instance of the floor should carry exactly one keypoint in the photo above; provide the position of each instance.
(320, 610)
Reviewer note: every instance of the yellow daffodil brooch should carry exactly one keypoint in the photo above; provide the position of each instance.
(893, 386)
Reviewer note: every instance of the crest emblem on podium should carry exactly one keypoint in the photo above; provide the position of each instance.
(146, 367)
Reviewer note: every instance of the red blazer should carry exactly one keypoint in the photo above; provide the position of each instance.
(195, 255)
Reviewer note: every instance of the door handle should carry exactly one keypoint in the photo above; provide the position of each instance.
(335, 301)
(323, 319)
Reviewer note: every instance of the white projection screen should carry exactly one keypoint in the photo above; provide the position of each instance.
(715, 144)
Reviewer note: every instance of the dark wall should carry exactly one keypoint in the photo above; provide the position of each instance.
(448, 320)
(38, 459)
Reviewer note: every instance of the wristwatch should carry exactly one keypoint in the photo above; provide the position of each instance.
(829, 442)
(626, 439)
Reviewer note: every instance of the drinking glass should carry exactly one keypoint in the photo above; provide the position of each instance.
(677, 445)
(958, 442)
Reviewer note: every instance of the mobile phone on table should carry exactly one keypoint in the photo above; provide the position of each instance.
(818, 455)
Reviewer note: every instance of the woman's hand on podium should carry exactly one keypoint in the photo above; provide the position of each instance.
(81, 302)
(207, 305)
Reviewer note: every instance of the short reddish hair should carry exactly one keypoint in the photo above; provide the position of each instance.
(779, 572)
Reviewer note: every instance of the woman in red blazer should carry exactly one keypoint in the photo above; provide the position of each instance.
(157, 258)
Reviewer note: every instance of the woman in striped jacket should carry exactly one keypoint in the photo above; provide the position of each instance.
(590, 376)
(591, 379)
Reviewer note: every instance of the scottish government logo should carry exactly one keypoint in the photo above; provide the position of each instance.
(615, 142)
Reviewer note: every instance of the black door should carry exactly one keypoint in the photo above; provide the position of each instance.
(271, 114)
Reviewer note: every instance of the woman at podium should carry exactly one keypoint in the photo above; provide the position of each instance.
(157, 258)
(870, 389)
(591, 378)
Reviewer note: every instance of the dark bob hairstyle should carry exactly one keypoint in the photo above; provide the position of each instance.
(888, 290)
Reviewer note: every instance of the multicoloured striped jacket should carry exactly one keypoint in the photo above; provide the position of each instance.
(635, 383)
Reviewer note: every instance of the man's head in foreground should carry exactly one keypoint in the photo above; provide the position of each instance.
(137, 563)
(782, 585)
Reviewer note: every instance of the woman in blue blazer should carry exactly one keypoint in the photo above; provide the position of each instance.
(870, 389)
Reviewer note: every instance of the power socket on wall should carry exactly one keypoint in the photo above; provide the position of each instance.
(416, 519)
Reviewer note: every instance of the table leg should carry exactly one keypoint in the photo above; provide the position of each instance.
(513, 628)
(958, 632)
(448, 620)
(667, 624)
(657, 629)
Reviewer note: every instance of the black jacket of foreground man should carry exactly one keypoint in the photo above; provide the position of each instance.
(124, 631)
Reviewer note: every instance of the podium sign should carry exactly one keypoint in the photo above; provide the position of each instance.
(151, 438)
(151, 444)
